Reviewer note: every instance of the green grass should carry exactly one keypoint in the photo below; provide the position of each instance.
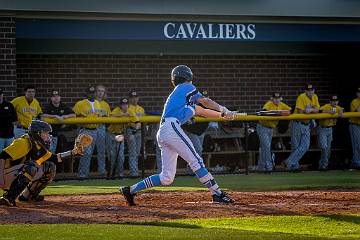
(269, 227)
(251, 182)
(276, 227)
(248, 183)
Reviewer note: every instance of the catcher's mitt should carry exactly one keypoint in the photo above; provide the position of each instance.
(81, 142)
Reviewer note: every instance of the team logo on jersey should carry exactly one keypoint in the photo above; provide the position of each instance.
(28, 110)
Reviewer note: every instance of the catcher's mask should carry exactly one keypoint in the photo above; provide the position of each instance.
(39, 131)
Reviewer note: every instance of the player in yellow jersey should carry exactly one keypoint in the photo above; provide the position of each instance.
(88, 108)
(27, 108)
(102, 141)
(264, 130)
(354, 129)
(133, 133)
(117, 156)
(306, 103)
(325, 131)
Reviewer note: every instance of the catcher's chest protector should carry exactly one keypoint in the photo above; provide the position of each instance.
(37, 152)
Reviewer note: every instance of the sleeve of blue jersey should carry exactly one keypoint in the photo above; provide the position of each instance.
(196, 96)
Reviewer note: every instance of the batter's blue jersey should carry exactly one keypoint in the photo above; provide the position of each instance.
(181, 102)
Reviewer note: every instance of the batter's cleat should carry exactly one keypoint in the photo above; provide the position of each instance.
(128, 196)
(222, 198)
(38, 198)
(6, 202)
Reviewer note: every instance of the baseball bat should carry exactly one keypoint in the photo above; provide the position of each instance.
(267, 113)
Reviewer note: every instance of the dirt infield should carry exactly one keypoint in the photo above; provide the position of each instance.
(157, 206)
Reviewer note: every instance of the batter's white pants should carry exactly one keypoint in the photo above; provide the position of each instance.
(173, 142)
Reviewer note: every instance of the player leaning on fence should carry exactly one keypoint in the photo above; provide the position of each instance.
(133, 133)
(89, 108)
(102, 139)
(354, 129)
(27, 108)
(264, 130)
(117, 156)
(56, 109)
(325, 131)
(306, 103)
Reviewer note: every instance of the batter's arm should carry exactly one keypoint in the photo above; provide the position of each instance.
(208, 103)
(200, 111)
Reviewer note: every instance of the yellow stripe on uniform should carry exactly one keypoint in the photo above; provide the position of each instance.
(44, 158)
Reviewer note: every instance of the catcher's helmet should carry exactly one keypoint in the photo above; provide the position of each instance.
(180, 74)
(38, 126)
(35, 130)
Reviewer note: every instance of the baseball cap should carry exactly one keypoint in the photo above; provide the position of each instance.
(124, 101)
(334, 98)
(133, 94)
(55, 93)
(276, 95)
(91, 89)
(309, 87)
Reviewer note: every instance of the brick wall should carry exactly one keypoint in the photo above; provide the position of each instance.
(244, 82)
(8, 56)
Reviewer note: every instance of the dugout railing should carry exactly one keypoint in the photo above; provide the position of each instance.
(236, 137)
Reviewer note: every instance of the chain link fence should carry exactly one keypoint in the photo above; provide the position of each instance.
(226, 147)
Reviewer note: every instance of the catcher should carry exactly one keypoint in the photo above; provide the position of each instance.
(27, 166)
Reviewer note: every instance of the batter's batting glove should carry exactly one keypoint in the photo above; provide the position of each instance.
(228, 115)
(223, 109)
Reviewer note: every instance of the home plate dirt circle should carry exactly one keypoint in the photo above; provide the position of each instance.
(159, 206)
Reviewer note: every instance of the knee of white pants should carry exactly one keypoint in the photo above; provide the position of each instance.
(166, 179)
(195, 166)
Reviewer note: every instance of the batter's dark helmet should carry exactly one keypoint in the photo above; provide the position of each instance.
(37, 126)
(181, 74)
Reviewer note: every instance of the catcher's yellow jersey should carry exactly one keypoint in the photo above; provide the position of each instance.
(303, 101)
(25, 111)
(135, 111)
(84, 108)
(20, 148)
(329, 122)
(120, 127)
(270, 105)
(355, 104)
(105, 109)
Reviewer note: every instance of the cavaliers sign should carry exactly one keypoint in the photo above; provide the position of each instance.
(184, 31)
(210, 31)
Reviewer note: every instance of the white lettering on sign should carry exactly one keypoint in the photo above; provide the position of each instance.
(210, 31)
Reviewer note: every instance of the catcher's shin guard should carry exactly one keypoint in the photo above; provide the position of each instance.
(17, 186)
(34, 188)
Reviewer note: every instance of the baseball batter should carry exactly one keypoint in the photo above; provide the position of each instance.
(180, 106)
